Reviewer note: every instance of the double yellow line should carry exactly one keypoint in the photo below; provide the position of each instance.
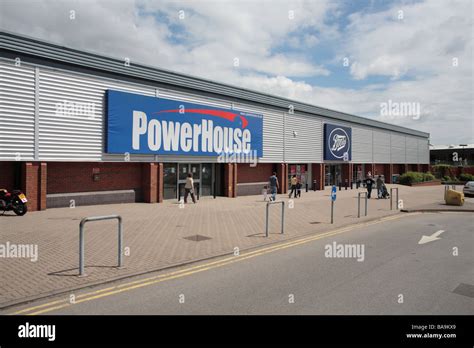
(58, 304)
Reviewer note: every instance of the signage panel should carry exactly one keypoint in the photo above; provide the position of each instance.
(150, 125)
(337, 143)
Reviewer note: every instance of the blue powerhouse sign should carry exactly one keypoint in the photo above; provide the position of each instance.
(337, 143)
(150, 125)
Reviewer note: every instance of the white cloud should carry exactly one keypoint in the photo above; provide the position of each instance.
(415, 53)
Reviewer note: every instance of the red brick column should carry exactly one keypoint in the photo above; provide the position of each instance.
(282, 175)
(407, 168)
(34, 182)
(317, 170)
(149, 182)
(229, 182)
(418, 167)
(388, 173)
(347, 174)
(43, 179)
(159, 183)
(234, 180)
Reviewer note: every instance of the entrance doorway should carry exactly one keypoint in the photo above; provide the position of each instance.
(333, 174)
(175, 174)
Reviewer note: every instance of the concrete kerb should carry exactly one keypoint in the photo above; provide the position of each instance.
(50, 294)
(451, 210)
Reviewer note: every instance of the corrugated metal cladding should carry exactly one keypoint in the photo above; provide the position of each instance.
(70, 113)
(381, 147)
(361, 145)
(17, 112)
(303, 139)
(72, 116)
(423, 151)
(411, 150)
(273, 130)
(397, 148)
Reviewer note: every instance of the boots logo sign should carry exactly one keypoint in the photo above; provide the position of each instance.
(150, 125)
(337, 143)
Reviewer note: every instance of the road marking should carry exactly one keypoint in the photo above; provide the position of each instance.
(50, 306)
(433, 237)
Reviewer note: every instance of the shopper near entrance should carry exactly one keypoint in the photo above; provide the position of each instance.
(379, 186)
(274, 186)
(368, 183)
(293, 186)
(189, 188)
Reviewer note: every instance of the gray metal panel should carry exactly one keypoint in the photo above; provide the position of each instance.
(423, 151)
(71, 113)
(273, 128)
(17, 112)
(381, 141)
(361, 145)
(20, 44)
(307, 145)
(397, 148)
(411, 150)
(194, 98)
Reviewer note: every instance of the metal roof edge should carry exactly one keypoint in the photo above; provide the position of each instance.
(46, 50)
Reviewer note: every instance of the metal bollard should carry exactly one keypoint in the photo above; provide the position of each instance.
(81, 239)
(340, 186)
(345, 185)
(282, 216)
(306, 187)
(391, 197)
(332, 211)
(358, 203)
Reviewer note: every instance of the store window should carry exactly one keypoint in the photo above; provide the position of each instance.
(301, 172)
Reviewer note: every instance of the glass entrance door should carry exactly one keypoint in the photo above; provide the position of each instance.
(206, 179)
(184, 169)
(170, 177)
(333, 174)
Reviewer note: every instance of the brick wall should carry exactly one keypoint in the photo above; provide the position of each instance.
(7, 176)
(379, 169)
(248, 174)
(68, 177)
(398, 169)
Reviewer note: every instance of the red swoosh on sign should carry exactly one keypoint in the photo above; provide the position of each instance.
(230, 116)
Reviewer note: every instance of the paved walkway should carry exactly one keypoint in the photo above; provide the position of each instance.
(155, 235)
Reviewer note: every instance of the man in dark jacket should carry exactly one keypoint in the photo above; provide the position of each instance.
(368, 183)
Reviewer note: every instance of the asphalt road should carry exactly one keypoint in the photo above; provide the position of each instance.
(397, 276)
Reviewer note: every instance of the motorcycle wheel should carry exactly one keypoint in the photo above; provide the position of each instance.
(20, 208)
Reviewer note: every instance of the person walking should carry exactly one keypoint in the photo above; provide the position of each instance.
(274, 186)
(379, 186)
(189, 188)
(368, 184)
(293, 184)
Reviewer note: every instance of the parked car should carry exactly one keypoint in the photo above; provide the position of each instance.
(468, 189)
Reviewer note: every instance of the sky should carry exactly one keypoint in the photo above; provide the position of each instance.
(408, 63)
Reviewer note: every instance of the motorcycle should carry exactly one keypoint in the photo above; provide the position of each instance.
(15, 200)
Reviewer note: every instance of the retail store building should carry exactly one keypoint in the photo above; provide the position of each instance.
(85, 128)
